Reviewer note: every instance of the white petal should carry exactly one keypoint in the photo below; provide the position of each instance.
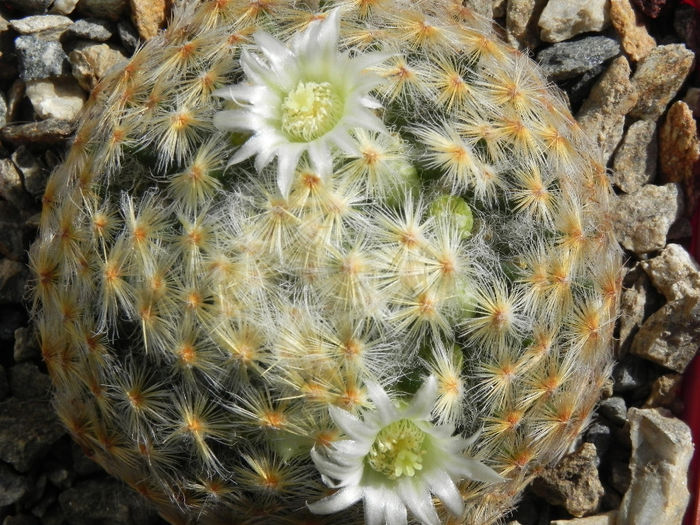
(275, 51)
(352, 426)
(328, 30)
(394, 509)
(363, 118)
(423, 401)
(444, 488)
(236, 120)
(418, 500)
(287, 160)
(247, 150)
(374, 503)
(352, 449)
(370, 102)
(320, 157)
(344, 141)
(472, 469)
(384, 406)
(342, 499)
(331, 468)
(238, 93)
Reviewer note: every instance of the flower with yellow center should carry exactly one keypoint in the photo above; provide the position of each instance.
(394, 459)
(302, 97)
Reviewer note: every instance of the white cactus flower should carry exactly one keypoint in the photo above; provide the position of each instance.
(394, 458)
(303, 97)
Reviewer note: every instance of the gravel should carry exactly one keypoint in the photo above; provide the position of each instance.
(45, 479)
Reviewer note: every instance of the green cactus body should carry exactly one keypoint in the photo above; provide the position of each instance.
(295, 258)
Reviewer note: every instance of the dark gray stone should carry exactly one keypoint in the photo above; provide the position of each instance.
(28, 382)
(13, 486)
(614, 409)
(83, 465)
(49, 131)
(40, 58)
(21, 519)
(33, 174)
(620, 475)
(13, 234)
(29, 6)
(26, 347)
(111, 9)
(107, 502)
(4, 384)
(28, 429)
(90, 29)
(600, 435)
(128, 35)
(629, 375)
(12, 186)
(60, 477)
(569, 59)
(13, 280)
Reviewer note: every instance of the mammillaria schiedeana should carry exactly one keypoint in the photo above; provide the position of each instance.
(325, 265)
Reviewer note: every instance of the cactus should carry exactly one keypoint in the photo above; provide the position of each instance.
(320, 265)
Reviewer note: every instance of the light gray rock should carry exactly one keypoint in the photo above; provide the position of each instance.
(59, 98)
(90, 29)
(670, 335)
(569, 59)
(642, 219)
(601, 519)
(90, 62)
(658, 78)
(563, 19)
(63, 7)
(661, 451)
(602, 114)
(674, 273)
(635, 160)
(572, 483)
(40, 58)
(39, 23)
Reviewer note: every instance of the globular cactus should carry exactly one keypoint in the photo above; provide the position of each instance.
(326, 264)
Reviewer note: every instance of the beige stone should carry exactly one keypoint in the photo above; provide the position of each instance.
(148, 16)
(636, 40)
(602, 114)
(658, 78)
(679, 149)
(521, 22)
(563, 19)
(60, 98)
(600, 519)
(90, 63)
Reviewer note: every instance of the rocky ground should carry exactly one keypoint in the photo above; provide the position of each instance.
(629, 72)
